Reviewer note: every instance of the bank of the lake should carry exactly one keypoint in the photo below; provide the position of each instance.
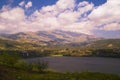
(14, 68)
(80, 64)
(15, 74)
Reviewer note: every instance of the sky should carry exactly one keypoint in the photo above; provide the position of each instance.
(93, 17)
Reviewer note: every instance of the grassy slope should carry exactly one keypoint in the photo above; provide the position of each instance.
(105, 43)
(11, 44)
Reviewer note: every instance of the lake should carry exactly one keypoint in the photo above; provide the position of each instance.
(79, 64)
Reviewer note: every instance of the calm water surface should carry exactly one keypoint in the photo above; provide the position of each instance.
(79, 64)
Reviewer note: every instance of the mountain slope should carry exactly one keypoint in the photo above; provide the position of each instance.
(14, 45)
(46, 37)
(105, 43)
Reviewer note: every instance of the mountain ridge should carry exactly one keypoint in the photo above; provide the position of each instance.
(56, 37)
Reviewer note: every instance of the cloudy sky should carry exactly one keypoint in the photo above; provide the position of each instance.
(96, 17)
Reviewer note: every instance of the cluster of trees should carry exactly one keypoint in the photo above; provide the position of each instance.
(107, 52)
(100, 52)
(14, 61)
(27, 53)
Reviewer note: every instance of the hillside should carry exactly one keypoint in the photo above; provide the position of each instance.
(105, 47)
(13, 45)
(105, 43)
(50, 37)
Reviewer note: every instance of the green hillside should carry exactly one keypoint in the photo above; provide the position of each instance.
(105, 43)
(103, 48)
(16, 45)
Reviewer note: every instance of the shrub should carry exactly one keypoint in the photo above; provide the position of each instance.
(8, 59)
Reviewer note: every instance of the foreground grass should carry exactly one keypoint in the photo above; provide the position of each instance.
(7, 73)
(71, 76)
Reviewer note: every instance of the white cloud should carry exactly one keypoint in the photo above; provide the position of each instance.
(5, 8)
(63, 16)
(13, 14)
(28, 5)
(59, 16)
(22, 4)
(59, 7)
(111, 27)
(68, 17)
(64, 4)
(82, 27)
(106, 13)
(12, 20)
(85, 7)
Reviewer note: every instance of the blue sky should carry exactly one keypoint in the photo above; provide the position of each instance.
(94, 17)
(40, 3)
(37, 4)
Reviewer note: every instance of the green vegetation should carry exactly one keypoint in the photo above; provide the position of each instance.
(101, 48)
(105, 48)
(24, 75)
(105, 43)
(12, 60)
(13, 68)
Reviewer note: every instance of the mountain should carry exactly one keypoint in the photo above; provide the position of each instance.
(50, 37)
(105, 43)
(13, 45)
(20, 43)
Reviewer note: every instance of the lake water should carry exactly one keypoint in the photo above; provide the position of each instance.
(79, 64)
